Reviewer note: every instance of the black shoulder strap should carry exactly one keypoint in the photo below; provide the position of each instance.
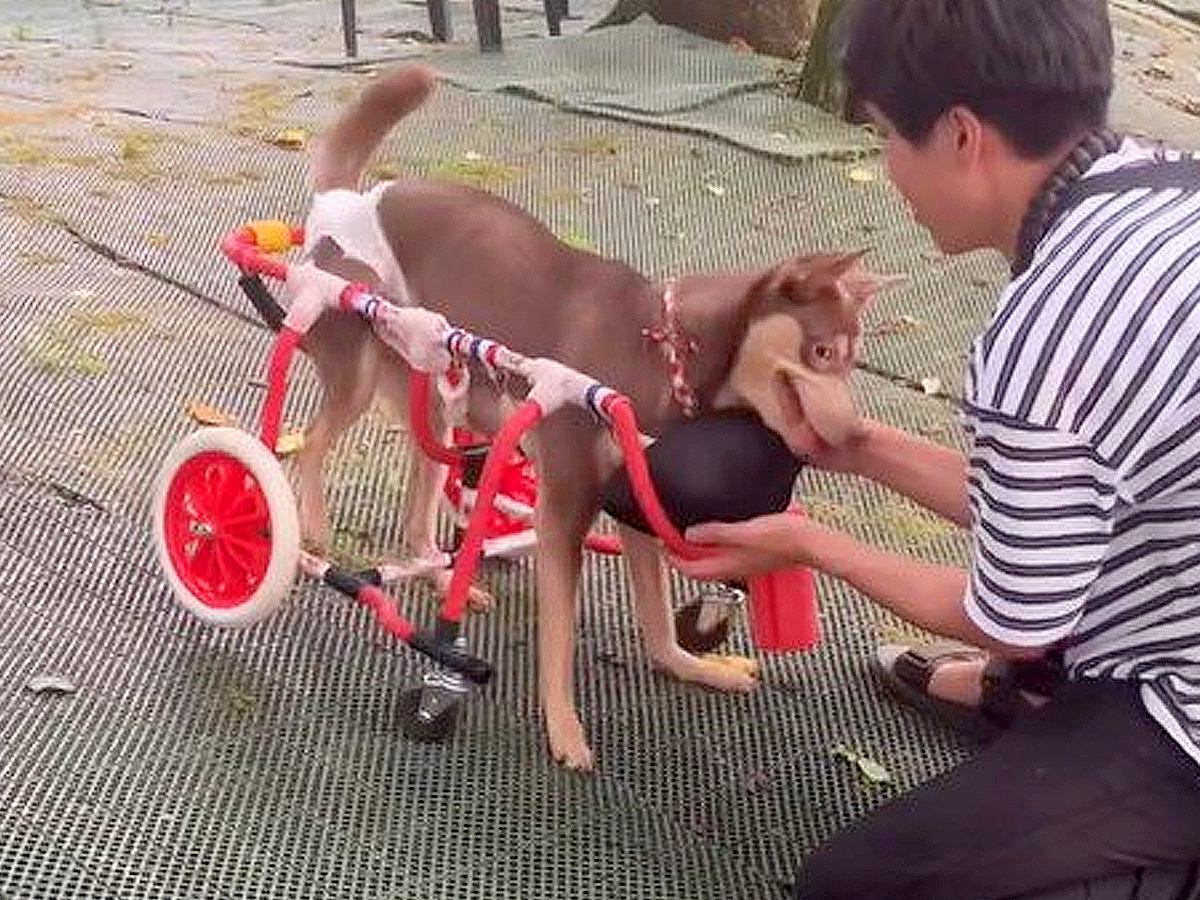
(1181, 174)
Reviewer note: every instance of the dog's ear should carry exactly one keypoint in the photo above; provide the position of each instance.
(798, 282)
(860, 285)
(863, 286)
(838, 279)
(841, 265)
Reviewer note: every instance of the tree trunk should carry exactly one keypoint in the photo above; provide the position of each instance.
(775, 27)
(821, 79)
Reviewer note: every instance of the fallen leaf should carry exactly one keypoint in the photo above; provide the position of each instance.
(35, 258)
(873, 771)
(859, 175)
(208, 415)
(239, 700)
(289, 443)
(474, 170)
(50, 684)
(654, 201)
(157, 239)
(577, 240)
(290, 138)
(597, 145)
(931, 386)
(717, 190)
(899, 325)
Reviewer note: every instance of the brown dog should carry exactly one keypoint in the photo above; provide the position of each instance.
(784, 335)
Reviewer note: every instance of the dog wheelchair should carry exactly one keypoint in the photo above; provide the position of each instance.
(226, 526)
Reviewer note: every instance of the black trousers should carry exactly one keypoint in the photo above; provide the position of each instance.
(1075, 800)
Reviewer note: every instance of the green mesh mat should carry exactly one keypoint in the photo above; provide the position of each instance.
(270, 762)
(664, 77)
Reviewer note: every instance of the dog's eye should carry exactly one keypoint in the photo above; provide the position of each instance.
(824, 352)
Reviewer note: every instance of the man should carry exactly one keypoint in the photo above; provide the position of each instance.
(1082, 486)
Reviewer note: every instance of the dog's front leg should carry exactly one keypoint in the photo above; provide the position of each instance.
(559, 558)
(565, 509)
(643, 555)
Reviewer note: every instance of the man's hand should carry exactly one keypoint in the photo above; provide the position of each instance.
(846, 458)
(744, 549)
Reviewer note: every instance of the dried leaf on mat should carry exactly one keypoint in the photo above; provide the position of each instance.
(290, 138)
(239, 700)
(50, 684)
(873, 771)
(208, 415)
(899, 325)
(289, 443)
(931, 386)
(578, 240)
(860, 175)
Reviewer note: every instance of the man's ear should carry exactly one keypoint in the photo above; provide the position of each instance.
(964, 134)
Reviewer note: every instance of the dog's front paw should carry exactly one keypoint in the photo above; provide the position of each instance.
(315, 536)
(478, 600)
(720, 675)
(568, 745)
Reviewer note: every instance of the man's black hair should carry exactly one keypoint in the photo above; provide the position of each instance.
(1040, 71)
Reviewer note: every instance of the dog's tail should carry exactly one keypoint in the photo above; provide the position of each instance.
(341, 154)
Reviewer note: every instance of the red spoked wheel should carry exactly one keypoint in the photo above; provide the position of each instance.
(226, 527)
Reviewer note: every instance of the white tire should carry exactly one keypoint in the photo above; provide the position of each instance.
(230, 557)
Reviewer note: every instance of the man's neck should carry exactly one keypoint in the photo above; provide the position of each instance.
(1020, 184)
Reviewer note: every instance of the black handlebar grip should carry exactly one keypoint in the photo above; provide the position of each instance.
(265, 304)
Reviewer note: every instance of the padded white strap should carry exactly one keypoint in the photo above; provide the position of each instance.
(309, 291)
(555, 385)
(418, 335)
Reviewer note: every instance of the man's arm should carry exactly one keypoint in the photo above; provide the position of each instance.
(929, 474)
(927, 595)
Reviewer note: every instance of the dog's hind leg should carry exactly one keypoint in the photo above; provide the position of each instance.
(343, 353)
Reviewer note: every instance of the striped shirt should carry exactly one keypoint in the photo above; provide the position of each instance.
(1083, 417)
